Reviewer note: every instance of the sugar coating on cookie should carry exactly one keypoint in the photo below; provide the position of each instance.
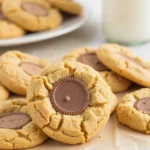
(88, 57)
(17, 130)
(16, 69)
(32, 15)
(134, 110)
(67, 6)
(124, 62)
(69, 101)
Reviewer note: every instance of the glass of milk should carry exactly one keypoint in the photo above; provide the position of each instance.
(126, 21)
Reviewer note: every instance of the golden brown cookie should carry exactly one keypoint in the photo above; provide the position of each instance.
(70, 102)
(32, 15)
(134, 110)
(16, 69)
(126, 63)
(4, 93)
(67, 6)
(7, 28)
(17, 130)
(88, 57)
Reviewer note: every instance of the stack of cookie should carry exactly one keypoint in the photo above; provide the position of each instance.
(67, 101)
(19, 17)
(134, 108)
(17, 130)
(118, 66)
(72, 100)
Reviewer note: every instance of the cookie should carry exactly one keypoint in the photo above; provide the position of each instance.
(134, 110)
(6, 28)
(113, 103)
(32, 15)
(88, 57)
(16, 69)
(126, 63)
(67, 6)
(4, 93)
(17, 130)
(69, 101)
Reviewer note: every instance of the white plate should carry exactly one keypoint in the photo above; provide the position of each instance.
(70, 24)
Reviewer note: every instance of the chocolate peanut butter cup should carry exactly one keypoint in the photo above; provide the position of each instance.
(92, 60)
(31, 68)
(2, 14)
(143, 105)
(34, 9)
(131, 60)
(14, 120)
(70, 96)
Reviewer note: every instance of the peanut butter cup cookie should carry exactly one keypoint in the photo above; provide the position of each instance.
(32, 15)
(69, 101)
(67, 6)
(17, 130)
(6, 27)
(134, 110)
(16, 69)
(126, 63)
(4, 93)
(88, 56)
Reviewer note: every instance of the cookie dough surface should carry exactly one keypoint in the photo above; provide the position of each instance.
(6, 27)
(124, 62)
(32, 15)
(129, 115)
(115, 81)
(26, 137)
(67, 6)
(71, 129)
(4, 93)
(14, 75)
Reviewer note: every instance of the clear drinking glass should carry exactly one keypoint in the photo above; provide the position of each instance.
(126, 21)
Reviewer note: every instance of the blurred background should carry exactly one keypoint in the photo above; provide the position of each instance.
(121, 21)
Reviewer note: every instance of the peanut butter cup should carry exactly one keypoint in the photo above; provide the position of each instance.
(70, 96)
(131, 60)
(14, 120)
(143, 105)
(34, 8)
(2, 15)
(92, 60)
(31, 68)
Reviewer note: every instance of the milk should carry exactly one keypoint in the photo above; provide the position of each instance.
(126, 21)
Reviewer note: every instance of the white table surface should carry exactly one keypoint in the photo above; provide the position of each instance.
(89, 35)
